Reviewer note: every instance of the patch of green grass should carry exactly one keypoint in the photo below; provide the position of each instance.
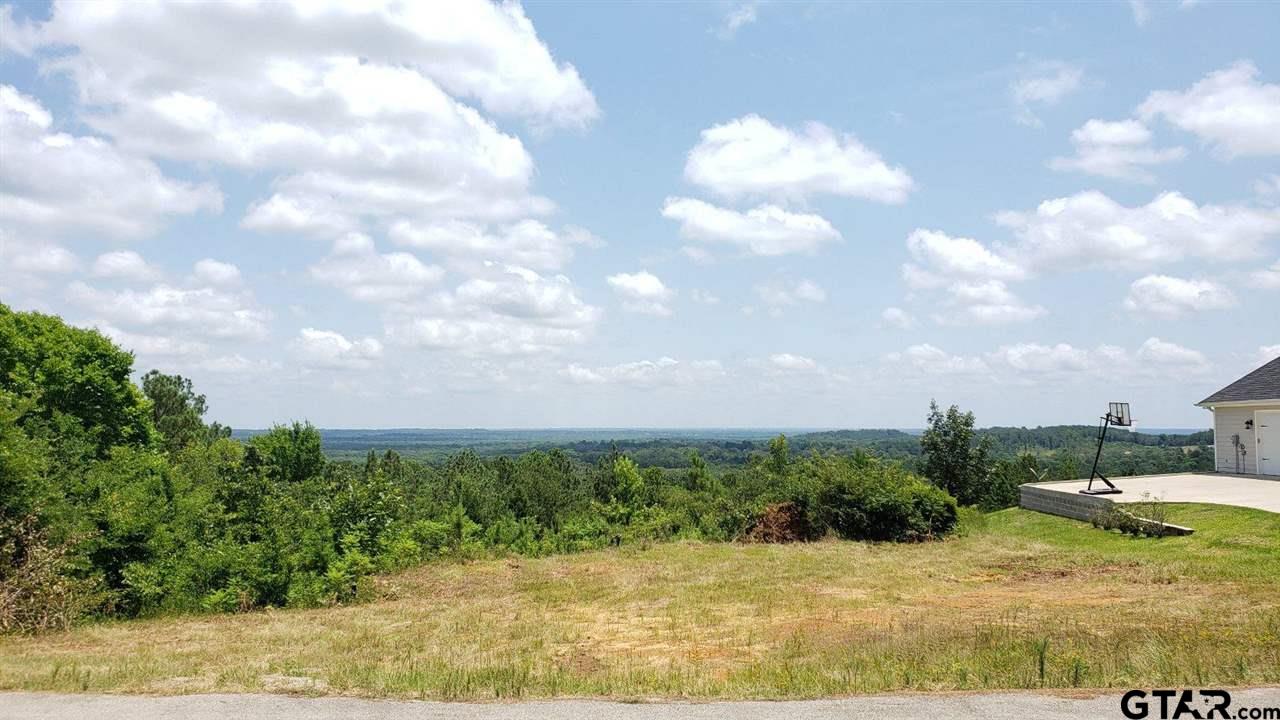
(1018, 600)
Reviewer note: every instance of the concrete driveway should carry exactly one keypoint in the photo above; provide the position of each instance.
(1215, 488)
(935, 706)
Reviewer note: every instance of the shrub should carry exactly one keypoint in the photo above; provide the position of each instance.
(38, 589)
(782, 522)
(865, 499)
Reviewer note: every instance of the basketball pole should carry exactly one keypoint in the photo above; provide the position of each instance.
(1110, 488)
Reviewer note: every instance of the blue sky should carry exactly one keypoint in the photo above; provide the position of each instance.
(611, 214)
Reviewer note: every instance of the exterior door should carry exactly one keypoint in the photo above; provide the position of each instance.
(1267, 427)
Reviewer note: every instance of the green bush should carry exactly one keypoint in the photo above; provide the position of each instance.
(865, 499)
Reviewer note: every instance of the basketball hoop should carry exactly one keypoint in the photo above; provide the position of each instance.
(1118, 415)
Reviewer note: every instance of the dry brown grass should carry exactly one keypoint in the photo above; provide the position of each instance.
(695, 620)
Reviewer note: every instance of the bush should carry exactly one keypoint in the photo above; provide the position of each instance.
(865, 499)
(782, 522)
(38, 589)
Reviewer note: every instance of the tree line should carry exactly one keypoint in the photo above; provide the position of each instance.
(119, 499)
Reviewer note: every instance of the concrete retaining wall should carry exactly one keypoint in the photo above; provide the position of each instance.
(1066, 504)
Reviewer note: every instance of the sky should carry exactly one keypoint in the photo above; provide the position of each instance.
(716, 214)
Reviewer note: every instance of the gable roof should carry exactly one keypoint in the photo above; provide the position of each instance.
(1261, 384)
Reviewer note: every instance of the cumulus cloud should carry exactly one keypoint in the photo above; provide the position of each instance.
(1090, 229)
(215, 272)
(528, 243)
(988, 302)
(55, 183)
(358, 269)
(147, 347)
(124, 265)
(1230, 110)
(1119, 150)
(642, 292)
(788, 362)
(940, 257)
(358, 108)
(1172, 297)
(897, 318)
(738, 15)
(201, 312)
(777, 294)
(664, 371)
(507, 310)
(751, 156)
(931, 360)
(1042, 83)
(767, 230)
(1029, 361)
(704, 297)
(1268, 278)
(329, 349)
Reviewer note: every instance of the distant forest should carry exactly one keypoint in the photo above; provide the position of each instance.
(1067, 450)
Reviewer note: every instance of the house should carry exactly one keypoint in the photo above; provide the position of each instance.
(1246, 423)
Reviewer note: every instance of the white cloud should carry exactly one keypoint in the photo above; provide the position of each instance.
(1268, 279)
(1171, 297)
(355, 106)
(767, 230)
(202, 312)
(1042, 83)
(124, 265)
(928, 359)
(647, 373)
(527, 243)
(54, 183)
(897, 318)
(214, 272)
(358, 269)
(1267, 353)
(642, 292)
(1162, 354)
(1119, 150)
(792, 363)
(988, 302)
(942, 256)
(328, 349)
(1141, 12)
(704, 297)
(751, 156)
(147, 347)
(777, 294)
(20, 254)
(1268, 188)
(738, 15)
(1228, 109)
(1090, 229)
(507, 310)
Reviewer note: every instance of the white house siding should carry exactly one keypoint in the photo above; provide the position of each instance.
(1228, 421)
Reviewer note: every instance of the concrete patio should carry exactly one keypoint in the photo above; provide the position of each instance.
(1064, 498)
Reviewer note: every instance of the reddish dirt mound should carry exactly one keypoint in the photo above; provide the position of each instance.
(780, 523)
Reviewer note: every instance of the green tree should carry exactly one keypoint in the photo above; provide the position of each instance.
(953, 459)
(78, 378)
(177, 411)
(779, 455)
(291, 453)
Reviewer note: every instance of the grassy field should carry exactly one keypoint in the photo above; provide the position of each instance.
(1021, 600)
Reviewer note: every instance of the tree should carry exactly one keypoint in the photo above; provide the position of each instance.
(78, 378)
(779, 455)
(177, 411)
(952, 459)
(291, 453)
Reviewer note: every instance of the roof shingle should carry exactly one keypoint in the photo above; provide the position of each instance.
(1261, 384)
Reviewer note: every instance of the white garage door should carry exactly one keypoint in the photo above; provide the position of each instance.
(1268, 432)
